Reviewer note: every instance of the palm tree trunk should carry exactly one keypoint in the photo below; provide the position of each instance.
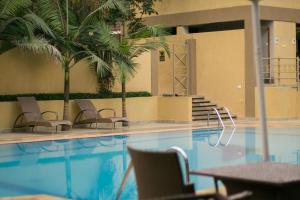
(124, 113)
(66, 96)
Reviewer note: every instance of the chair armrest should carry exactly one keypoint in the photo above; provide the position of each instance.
(53, 112)
(21, 116)
(182, 154)
(107, 109)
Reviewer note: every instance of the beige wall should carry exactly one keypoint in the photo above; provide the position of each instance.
(21, 73)
(148, 106)
(221, 68)
(175, 108)
(165, 68)
(179, 6)
(281, 39)
(282, 35)
(281, 102)
(142, 78)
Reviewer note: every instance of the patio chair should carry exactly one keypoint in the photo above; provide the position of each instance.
(90, 115)
(32, 117)
(159, 176)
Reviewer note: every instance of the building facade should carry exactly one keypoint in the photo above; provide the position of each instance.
(220, 59)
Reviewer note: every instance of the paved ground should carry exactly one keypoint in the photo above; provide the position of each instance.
(137, 128)
(36, 197)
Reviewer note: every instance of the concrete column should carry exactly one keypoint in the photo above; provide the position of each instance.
(192, 66)
(154, 72)
(250, 78)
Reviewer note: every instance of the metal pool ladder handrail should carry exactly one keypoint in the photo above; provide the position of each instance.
(219, 116)
(230, 116)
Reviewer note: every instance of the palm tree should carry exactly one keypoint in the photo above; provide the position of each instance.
(20, 27)
(137, 42)
(73, 34)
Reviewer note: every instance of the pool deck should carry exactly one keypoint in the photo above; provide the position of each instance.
(136, 128)
(35, 197)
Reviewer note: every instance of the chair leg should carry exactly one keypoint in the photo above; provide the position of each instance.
(216, 185)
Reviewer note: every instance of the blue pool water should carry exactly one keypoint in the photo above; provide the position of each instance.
(93, 168)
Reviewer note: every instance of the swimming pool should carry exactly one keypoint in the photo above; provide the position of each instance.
(93, 168)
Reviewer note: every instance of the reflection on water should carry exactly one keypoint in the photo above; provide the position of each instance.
(93, 168)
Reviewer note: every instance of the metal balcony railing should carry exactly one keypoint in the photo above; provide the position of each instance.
(282, 72)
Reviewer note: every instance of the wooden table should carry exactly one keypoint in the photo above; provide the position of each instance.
(265, 179)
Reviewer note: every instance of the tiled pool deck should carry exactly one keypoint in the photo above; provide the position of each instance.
(136, 128)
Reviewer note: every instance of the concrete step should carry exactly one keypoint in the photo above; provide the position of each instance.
(204, 118)
(205, 113)
(199, 109)
(200, 101)
(197, 97)
(204, 105)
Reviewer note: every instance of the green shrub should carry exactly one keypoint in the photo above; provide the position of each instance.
(60, 96)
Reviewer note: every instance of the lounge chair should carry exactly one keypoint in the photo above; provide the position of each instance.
(31, 116)
(90, 115)
(159, 176)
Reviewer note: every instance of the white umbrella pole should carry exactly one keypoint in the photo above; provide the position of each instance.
(257, 43)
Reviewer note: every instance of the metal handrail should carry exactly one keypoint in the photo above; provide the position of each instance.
(230, 116)
(219, 116)
(282, 71)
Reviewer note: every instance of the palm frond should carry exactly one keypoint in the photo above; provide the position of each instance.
(38, 23)
(121, 5)
(12, 7)
(100, 65)
(50, 12)
(152, 44)
(105, 37)
(125, 70)
(148, 31)
(39, 46)
(16, 27)
(91, 18)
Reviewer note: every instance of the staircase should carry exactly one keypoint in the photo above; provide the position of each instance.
(201, 107)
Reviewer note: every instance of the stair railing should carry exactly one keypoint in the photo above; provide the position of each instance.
(230, 116)
(220, 121)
